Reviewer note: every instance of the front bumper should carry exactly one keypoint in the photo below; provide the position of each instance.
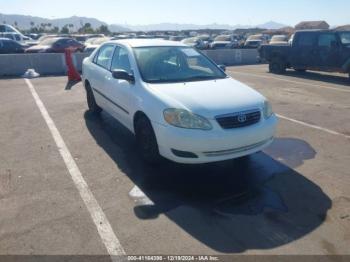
(215, 145)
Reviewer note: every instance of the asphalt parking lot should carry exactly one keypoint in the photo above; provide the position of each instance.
(294, 198)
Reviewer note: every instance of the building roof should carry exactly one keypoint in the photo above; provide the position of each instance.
(343, 28)
(312, 25)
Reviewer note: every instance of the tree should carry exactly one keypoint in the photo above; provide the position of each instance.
(65, 30)
(103, 29)
(86, 29)
(55, 30)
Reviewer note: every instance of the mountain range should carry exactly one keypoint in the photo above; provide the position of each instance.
(24, 22)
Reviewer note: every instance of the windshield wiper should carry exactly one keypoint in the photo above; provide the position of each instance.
(200, 77)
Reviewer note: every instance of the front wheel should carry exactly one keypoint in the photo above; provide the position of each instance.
(146, 141)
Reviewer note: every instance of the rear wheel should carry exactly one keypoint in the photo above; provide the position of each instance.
(93, 107)
(277, 66)
(146, 141)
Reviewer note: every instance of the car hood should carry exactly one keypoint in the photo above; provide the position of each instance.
(209, 98)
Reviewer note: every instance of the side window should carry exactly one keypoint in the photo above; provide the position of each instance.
(121, 60)
(326, 40)
(306, 40)
(104, 56)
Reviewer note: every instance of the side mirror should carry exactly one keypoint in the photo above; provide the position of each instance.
(123, 75)
(222, 67)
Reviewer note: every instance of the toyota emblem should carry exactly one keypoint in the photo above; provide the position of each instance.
(242, 118)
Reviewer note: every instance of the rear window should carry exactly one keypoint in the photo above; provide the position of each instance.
(104, 56)
(306, 39)
(326, 40)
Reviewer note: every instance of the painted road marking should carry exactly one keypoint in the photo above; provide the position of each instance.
(102, 224)
(313, 126)
(291, 81)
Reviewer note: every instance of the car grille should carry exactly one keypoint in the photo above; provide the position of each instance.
(237, 150)
(241, 119)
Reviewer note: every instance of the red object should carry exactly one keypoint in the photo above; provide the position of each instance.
(73, 74)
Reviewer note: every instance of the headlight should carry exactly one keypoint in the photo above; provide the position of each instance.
(185, 119)
(267, 109)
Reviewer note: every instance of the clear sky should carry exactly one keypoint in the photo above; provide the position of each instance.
(246, 12)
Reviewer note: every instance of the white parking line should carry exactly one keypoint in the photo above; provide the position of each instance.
(313, 126)
(99, 218)
(291, 81)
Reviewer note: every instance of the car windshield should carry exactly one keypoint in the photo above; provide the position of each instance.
(171, 64)
(279, 38)
(345, 38)
(223, 38)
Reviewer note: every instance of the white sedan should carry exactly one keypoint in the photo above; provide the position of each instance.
(177, 102)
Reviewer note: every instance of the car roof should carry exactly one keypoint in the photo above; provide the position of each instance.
(147, 42)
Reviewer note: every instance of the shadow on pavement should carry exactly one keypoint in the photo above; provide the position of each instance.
(230, 206)
(334, 79)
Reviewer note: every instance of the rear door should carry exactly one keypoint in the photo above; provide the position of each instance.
(99, 72)
(304, 53)
(121, 92)
(9, 47)
(328, 51)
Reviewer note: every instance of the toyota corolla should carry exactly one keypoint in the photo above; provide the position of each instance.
(177, 102)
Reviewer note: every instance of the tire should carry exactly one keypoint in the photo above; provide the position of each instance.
(90, 98)
(277, 66)
(146, 141)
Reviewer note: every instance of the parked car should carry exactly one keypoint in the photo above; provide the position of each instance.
(323, 50)
(279, 40)
(177, 38)
(207, 40)
(254, 42)
(8, 46)
(194, 42)
(177, 102)
(224, 41)
(93, 43)
(56, 45)
(16, 37)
